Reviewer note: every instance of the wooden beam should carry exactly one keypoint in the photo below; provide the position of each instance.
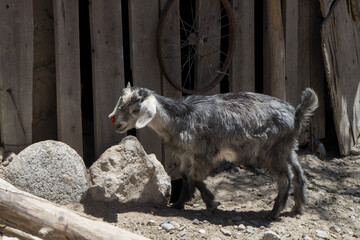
(107, 68)
(68, 86)
(16, 75)
(242, 68)
(44, 219)
(144, 17)
(274, 50)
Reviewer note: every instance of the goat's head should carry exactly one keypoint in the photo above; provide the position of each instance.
(136, 107)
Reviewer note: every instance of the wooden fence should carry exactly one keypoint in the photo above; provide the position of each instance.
(41, 81)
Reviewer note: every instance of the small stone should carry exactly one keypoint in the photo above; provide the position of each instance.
(322, 234)
(202, 231)
(167, 227)
(196, 222)
(241, 227)
(356, 199)
(5, 163)
(236, 219)
(151, 223)
(335, 229)
(175, 224)
(225, 232)
(270, 235)
(182, 233)
(10, 156)
(351, 209)
(249, 230)
(306, 237)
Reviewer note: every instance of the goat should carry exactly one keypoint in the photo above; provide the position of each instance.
(242, 128)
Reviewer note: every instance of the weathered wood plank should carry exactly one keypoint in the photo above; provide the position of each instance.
(242, 68)
(68, 86)
(16, 74)
(341, 51)
(107, 68)
(325, 6)
(291, 27)
(42, 218)
(144, 16)
(274, 50)
(44, 90)
(208, 23)
(170, 162)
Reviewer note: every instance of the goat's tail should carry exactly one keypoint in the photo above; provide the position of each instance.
(305, 110)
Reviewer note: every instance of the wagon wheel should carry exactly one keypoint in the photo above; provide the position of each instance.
(195, 41)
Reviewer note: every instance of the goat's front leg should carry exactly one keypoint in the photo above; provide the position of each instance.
(207, 196)
(187, 192)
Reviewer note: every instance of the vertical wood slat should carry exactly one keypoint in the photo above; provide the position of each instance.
(68, 86)
(207, 11)
(144, 17)
(170, 162)
(107, 68)
(242, 70)
(16, 74)
(291, 18)
(274, 50)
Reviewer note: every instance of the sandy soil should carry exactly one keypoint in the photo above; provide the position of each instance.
(246, 197)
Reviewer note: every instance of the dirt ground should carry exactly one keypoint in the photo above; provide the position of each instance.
(246, 197)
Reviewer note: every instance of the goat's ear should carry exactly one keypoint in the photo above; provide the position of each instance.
(147, 112)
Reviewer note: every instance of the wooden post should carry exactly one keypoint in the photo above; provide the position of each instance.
(16, 74)
(107, 68)
(274, 50)
(170, 163)
(42, 218)
(68, 86)
(242, 70)
(144, 16)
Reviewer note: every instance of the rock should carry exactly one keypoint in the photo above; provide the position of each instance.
(335, 229)
(322, 234)
(202, 231)
(225, 232)
(182, 233)
(125, 173)
(305, 237)
(241, 227)
(151, 223)
(356, 199)
(49, 169)
(236, 219)
(167, 227)
(270, 236)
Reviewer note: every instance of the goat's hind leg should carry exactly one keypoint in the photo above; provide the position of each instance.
(187, 192)
(207, 196)
(283, 193)
(298, 181)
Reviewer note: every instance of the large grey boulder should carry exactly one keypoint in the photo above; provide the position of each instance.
(51, 170)
(125, 173)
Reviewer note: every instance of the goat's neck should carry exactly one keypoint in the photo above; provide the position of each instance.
(167, 112)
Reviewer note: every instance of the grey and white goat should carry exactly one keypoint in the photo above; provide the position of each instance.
(243, 128)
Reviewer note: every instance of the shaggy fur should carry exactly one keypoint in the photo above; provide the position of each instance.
(243, 128)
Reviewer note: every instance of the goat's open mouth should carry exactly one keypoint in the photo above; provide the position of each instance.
(121, 130)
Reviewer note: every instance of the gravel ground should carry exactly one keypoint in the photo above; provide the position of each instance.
(246, 197)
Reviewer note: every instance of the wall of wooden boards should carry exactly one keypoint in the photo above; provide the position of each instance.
(301, 66)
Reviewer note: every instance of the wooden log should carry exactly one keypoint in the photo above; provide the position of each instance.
(68, 85)
(274, 50)
(107, 69)
(12, 232)
(341, 51)
(242, 68)
(325, 6)
(16, 75)
(144, 17)
(44, 219)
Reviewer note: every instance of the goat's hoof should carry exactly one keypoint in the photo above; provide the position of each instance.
(177, 205)
(272, 216)
(297, 209)
(212, 206)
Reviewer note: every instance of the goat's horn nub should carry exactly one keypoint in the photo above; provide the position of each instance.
(111, 115)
